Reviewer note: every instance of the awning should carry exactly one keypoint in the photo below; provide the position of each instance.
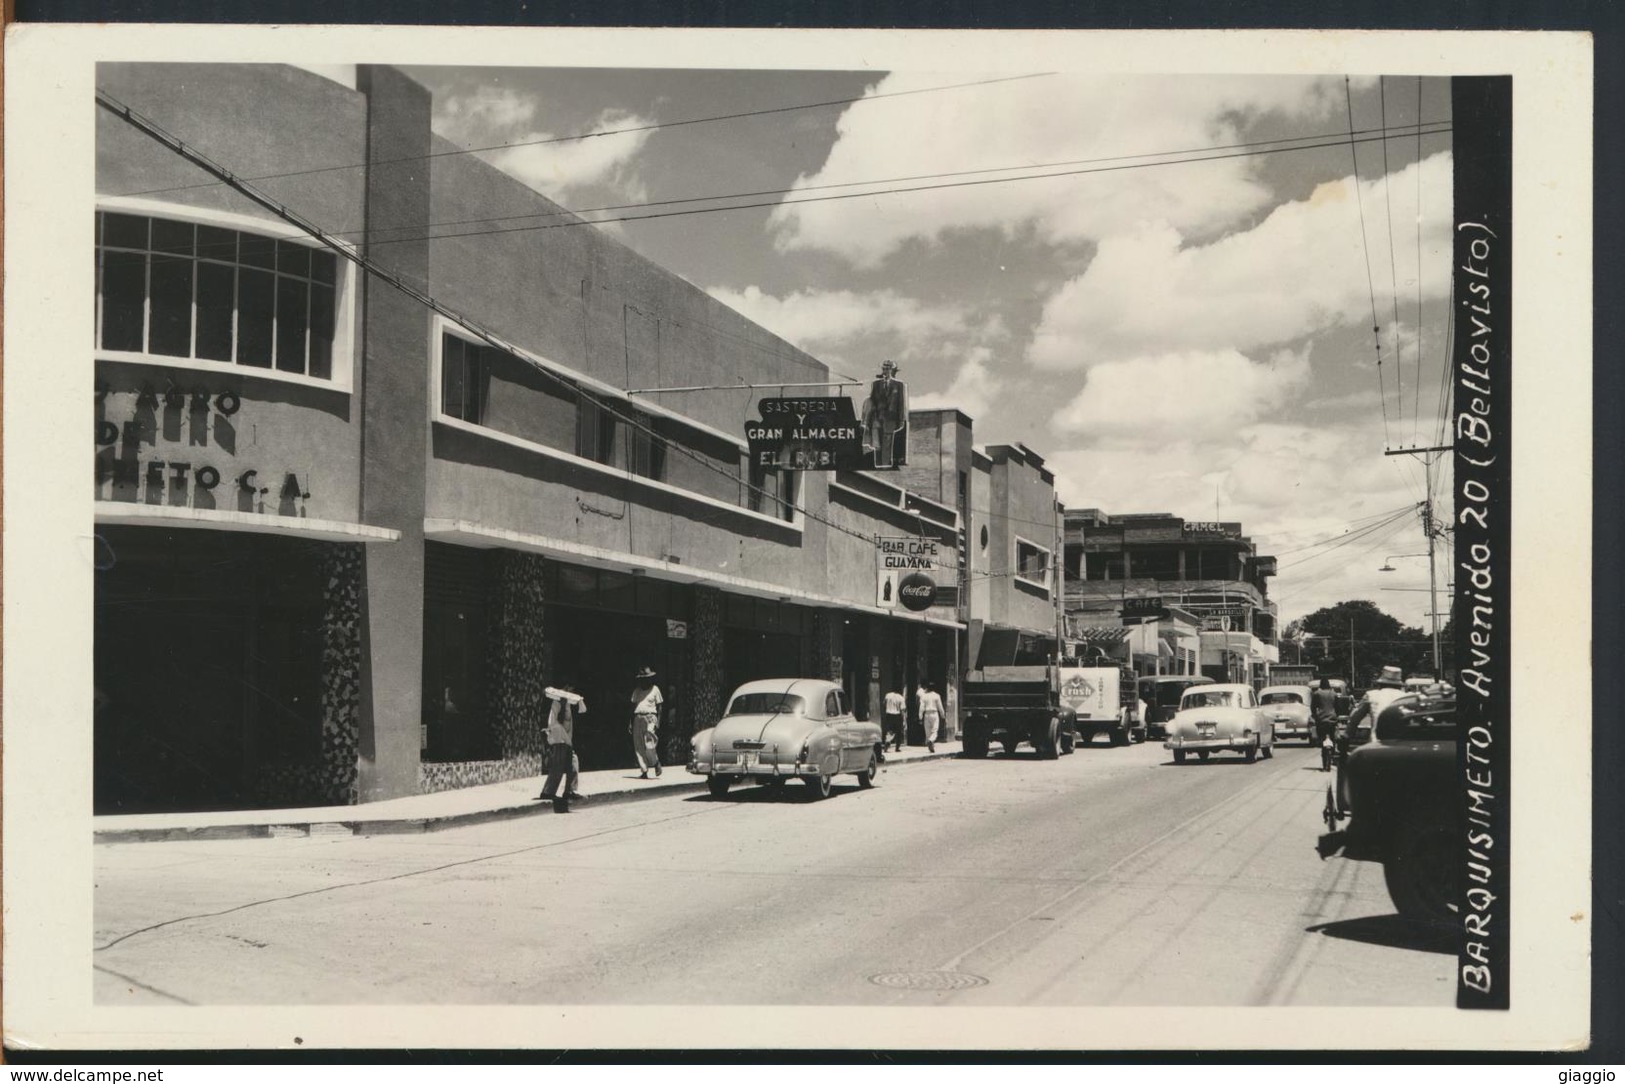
(1103, 637)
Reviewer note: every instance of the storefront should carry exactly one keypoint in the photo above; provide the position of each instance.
(209, 666)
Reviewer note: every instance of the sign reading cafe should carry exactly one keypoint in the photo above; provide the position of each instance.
(911, 573)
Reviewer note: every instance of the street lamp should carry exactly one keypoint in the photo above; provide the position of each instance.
(1386, 567)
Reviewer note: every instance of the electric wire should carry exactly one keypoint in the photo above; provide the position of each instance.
(1349, 539)
(1337, 139)
(1341, 141)
(1363, 520)
(1301, 589)
(1371, 290)
(579, 136)
(603, 403)
(1415, 407)
(1393, 274)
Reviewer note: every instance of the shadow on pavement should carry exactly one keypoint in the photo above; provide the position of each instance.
(1392, 931)
(791, 791)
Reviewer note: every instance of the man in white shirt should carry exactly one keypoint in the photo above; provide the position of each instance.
(892, 713)
(930, 705)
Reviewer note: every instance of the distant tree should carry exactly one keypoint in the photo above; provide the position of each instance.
(1378, 640)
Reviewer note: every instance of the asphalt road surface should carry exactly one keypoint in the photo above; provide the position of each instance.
(1110, 877)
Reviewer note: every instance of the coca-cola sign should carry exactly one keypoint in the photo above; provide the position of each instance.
(917, 591)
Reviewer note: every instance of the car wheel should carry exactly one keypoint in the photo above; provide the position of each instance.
(866, 778)
(1069, 742)
(1201, 754)
(818, 786)
(1120, 736)
(1421, 876)
(1252, 752)
(1269, 750)
(1179, 756)
(717, 785)
(975, 748)
(1051, 749)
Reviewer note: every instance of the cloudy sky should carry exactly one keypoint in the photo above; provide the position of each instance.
(1178, 335)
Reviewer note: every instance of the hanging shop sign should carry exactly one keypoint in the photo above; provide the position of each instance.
(831, 433)
(912, 573)
(815, 433)
(676, 630)
(1136, 610)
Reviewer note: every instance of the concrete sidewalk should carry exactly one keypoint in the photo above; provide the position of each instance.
(422, 812)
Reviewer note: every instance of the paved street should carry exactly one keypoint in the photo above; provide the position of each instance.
(1109, 877)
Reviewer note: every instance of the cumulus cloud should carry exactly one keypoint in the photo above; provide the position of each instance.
(1302, 270)
(1218, 393)
(973, 389)
(500, 115)
(1085, 121)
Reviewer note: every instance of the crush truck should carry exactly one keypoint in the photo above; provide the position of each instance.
(1046, 700)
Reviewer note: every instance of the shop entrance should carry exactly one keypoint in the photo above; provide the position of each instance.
(207, 664)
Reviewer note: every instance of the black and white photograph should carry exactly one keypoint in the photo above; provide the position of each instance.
(836, 538)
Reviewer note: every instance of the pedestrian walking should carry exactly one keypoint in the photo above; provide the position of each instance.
(930, 705)
(646, 702)
(895, 725)
(1323, 711)
(564, 705)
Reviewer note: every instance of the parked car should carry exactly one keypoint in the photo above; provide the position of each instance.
(1398, 794)
(1219, 718)
(787, 728)
(1161, 695)
(1287, 706)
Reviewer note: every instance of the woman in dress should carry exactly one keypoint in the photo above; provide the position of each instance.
(646, 702)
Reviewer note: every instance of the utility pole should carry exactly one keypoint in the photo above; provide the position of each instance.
(1352, 682)
(1432, 530)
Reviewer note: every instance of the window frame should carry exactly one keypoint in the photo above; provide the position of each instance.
(345, 338)
(1043, 581)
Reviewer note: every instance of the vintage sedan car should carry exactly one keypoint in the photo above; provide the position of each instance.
(1219, 718)
(1398, 794)
(787, 728)
(1287, 706)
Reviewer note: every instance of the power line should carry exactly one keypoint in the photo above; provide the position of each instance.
(1371, 290)
(1351, 537)
(1416, 406)
(1387, 133)
(1341, 141)
(1351, 523)
(1393, 274)
(153, 131)
(607, 132)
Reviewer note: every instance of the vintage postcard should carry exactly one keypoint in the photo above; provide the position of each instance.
(988, 540)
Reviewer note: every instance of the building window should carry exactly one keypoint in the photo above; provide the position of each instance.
(185, 290)
(595, 432)
(465, 378)
(772, 492)
(645, 449)
(1032, 563)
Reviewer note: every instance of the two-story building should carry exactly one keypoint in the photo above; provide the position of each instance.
(361, 498)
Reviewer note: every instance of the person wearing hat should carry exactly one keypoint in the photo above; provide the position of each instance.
(885, 414)
(646, 702)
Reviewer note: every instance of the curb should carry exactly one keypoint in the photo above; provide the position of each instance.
(361, 826)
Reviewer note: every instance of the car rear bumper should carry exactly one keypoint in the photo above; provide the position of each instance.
(1287, 730)
(1216, 742)
(755, 771)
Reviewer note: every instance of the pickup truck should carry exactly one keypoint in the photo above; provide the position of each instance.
(1015, 704)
